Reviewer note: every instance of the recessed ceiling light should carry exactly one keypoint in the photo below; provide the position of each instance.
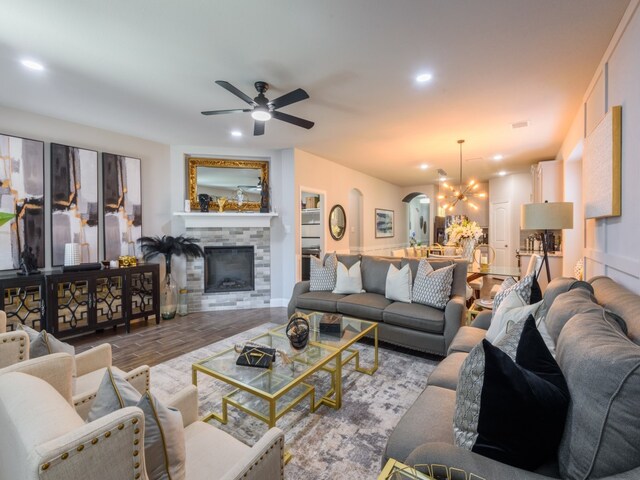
(424, 77)
(424, 166)
(32, 64)
(498, 157)
(502, 173)
(236, 133)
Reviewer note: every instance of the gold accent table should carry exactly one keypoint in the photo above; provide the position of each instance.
(395, 470)
(268, 394)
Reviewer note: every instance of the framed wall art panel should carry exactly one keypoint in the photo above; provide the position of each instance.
(21, 200)
(74, 202)
(384, 223)
(122, 204)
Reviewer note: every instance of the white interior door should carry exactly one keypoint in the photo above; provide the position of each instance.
(499, 233)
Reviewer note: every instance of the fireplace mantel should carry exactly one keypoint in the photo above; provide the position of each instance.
(225, 219)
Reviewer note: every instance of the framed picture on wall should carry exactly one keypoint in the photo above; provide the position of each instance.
(384, 223)
(74, 202)
(21, 200)
(122, 205)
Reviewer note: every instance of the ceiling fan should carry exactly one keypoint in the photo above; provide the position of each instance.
(263, 109)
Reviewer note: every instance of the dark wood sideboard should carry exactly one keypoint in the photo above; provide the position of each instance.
(72, 303)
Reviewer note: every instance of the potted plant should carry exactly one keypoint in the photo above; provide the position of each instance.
(169, 246)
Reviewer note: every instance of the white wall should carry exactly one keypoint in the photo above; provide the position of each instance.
(156, 216)
(313, 173)
(517, 190)
(281, 181)
(611, 245)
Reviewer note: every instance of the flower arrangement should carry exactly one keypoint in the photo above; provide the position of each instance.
(463, 230)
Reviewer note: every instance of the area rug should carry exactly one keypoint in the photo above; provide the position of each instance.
(327, 444)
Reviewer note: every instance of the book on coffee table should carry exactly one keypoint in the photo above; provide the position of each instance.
(331, 323)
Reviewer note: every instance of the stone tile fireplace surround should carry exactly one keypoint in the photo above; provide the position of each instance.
(220, 230)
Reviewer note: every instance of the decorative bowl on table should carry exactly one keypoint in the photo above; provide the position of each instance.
(298, 330)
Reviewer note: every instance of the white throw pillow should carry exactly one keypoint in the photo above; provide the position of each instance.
(348, 280)
(398, 284)
(511, 310)
(523, 288)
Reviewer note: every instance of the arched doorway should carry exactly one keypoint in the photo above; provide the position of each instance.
(419, 217)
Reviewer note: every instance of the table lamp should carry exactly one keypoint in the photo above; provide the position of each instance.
(546, 216)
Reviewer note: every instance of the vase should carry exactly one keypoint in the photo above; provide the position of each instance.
(168, 298)
(468, 245)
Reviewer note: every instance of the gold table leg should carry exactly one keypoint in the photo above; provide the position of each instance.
(370, 371)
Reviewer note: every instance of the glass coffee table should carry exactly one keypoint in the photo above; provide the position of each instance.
(268, 394)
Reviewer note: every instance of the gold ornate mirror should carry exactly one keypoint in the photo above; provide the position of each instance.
(239, 181)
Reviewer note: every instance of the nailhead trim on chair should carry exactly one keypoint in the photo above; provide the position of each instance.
(145, 373)
(22, 344)
(281, 442)
(79, 448)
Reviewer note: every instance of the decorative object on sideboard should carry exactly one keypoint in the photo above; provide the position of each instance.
(337, 222)
(28, 262)
(602, 167)
(461, 193)
(546, 216)
(72, 254)
(22, 179)
(223, 177)
(203, 201)
(122, 204)
(384, 223)
(183, 302)
(187, 206)
(169, 246)
(222, 201)
(125, 261)
(74, 201)
(298, 330)
(262, 109)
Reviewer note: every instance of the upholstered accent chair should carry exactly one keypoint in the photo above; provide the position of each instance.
(43, 437)
(90, 366)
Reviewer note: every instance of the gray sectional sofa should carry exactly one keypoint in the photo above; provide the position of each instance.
(411, 325)
(601, 365)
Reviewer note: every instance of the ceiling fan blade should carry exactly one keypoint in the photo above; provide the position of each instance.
(227, 86)
(289, 98)
(221, 112)
(285, 117)
(258, 128)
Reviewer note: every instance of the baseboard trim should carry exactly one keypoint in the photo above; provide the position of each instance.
(279, 302)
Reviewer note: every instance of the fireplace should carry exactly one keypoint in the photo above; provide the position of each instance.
(229, 269)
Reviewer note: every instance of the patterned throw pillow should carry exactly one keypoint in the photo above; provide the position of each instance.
(323, 277)
(523, 287)
(511, 408)
(432, 287)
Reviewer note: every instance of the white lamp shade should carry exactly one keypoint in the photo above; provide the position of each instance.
(546, 216)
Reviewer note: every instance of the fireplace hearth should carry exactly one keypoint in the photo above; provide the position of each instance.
(229, 269)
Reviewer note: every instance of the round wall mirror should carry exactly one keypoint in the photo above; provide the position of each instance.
(337, 222)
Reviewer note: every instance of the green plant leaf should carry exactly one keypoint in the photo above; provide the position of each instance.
(5, 217)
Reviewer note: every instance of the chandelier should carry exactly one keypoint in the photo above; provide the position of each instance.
(461, 193)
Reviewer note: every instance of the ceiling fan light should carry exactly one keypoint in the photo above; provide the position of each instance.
(261, 115)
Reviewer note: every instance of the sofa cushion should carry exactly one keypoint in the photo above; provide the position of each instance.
(602, 366)
(321, 301)
(398, 284)
(512, 411)
(620, 301)
(511, 310)
(466, 339)
(368, 306)
(566, 306)
(415, 317)
(446, 373)
(561, 285)
(428, 420)
(523, 288)
(322, 276)
(433, 287)
(374, 273)
(348, 279)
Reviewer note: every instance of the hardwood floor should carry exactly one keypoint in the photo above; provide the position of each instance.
(150, 344)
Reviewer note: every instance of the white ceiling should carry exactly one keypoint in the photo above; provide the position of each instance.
(147, 68)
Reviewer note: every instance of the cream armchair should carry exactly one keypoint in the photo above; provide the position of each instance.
(44, 438)
(90, 366)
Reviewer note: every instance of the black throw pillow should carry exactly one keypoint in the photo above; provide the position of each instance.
(536, 291)
(523, 404)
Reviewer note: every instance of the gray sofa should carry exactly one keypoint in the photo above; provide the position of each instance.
(410, 325)
(425, 433)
